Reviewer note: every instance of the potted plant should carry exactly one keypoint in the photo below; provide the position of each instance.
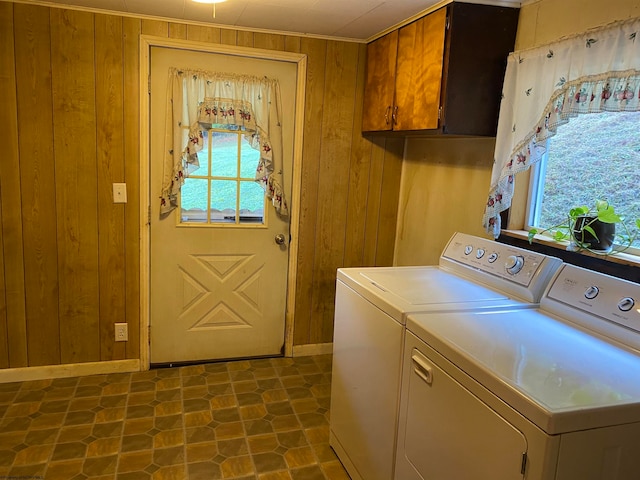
(592, 229)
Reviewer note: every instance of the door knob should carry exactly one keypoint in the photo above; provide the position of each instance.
(280, 239)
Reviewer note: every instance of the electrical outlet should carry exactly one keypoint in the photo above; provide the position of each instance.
(122, 332)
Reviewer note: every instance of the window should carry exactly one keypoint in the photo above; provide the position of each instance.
(223, 190)
(594, 156)
(241, 106)
(546, 89)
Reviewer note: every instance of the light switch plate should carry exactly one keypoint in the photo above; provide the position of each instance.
(119, 193)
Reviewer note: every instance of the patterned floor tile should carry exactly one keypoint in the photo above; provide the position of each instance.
(260, 419)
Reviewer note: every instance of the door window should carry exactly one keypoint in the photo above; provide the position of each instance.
(223, 191)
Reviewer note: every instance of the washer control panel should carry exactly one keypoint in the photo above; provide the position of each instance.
(510, 263)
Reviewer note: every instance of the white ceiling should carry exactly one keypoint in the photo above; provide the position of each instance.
(352, 19)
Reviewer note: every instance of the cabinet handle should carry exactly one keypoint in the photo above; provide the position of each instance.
(394, 117)
(386, 114)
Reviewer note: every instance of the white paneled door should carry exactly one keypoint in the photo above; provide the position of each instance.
(218, 264)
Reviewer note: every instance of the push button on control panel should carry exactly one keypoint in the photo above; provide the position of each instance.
(493, 257)
(626, 304)
(480, 253)
(468, 249)
(591, 292)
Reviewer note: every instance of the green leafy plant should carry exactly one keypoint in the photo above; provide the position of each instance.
(581, 229)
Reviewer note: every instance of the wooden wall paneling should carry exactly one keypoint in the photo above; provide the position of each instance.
(372, 211)
(228, 36)
(82, 172)
(131, 125)
(4, 338)
(203, 34)
(4, 345)
(390, 191)
(268, 41)
(110, 166)
(155, 27)
(73, 79)
(33, 76)
(178, 30)
(358, 175)
(337, 123)
(292, 44)
(12, 241)
(244, 38)
(316, 51)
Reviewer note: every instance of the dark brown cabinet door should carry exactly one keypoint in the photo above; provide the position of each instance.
(380, 82)
(419, 72)
(480, 37)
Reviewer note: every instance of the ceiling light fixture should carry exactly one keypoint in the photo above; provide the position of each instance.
(211, 1)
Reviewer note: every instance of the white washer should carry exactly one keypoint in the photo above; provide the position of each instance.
(371, 309)
(551, 393)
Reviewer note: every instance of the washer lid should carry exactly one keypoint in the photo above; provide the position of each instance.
(561, 378)
(399, 291)
(429, 287)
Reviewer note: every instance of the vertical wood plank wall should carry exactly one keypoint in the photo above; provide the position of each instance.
(69, 256)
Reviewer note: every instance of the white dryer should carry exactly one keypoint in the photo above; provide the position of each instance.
(372, 305)
(551, 393)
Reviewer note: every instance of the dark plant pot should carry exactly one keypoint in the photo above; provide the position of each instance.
(605, 232)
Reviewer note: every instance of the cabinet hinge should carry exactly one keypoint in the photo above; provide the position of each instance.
(149, 215)
(523, 466)
(447, 23)
(440, 113)
(149, 334)
(149, 84)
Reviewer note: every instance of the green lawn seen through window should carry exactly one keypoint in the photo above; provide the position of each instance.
(593, 156)
(223, 177)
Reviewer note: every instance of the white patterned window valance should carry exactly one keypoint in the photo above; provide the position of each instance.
(545, 87)
(199, 100)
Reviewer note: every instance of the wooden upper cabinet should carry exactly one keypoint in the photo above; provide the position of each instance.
(380, 82)
(419, 72)
(446, 74)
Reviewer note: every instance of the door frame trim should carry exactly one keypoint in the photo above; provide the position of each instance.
(148, 41)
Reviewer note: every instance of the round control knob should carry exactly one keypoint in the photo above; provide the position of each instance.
(468, 249)
(514, 264)
(493, 257)
(626, 304)
(480, 253)
(591, 292)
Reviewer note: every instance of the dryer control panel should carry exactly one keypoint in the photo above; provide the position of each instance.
(600, 302)
(500, 265)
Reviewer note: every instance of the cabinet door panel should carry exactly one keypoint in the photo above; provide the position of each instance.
(378, 90)
(419, 72)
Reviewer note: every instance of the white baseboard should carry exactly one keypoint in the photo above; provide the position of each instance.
(312, 349)
(69, 370)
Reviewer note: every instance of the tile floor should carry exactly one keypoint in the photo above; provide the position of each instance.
(263, 419)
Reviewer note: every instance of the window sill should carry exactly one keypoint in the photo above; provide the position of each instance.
(620, 265)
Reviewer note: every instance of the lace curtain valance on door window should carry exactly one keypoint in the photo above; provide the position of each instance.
(546, 86)
(198, 100)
